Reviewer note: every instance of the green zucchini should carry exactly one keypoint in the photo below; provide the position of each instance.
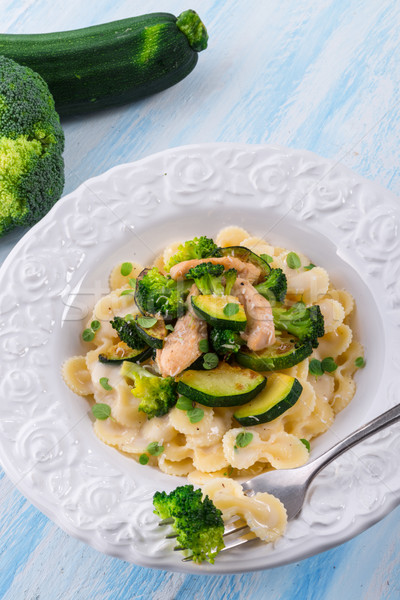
(112, 63)
(153, 336)
(283, 354)
(210, 308)
(247, 255)
(280, 394)
(121, 351)
(223, 386)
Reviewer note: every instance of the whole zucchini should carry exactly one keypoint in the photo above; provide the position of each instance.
(113, 63)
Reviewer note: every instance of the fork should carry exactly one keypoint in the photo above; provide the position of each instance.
(291, 485)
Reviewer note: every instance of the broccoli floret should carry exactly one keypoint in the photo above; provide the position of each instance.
(31, 146)
(208, 278)
(197, 521)
(225, 341)
(157, 394)
(157, 294)
(274, 287)
(127, 332)
(300, 321)
(201, 247)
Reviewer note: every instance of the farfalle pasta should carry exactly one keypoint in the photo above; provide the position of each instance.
(212, 432)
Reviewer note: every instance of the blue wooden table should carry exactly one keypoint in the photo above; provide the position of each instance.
(323, 76)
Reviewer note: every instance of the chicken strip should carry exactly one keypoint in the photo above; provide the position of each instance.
(181, 347)
(245, 269)
(260, 330)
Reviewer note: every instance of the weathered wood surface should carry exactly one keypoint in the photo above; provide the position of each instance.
(323, 76)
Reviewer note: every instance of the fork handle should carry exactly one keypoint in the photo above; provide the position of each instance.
(384, 420)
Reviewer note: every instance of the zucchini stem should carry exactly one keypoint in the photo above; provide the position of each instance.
(191, 25)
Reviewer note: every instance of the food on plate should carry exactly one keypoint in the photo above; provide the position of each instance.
(232, 361)
(31, 147)
(197, 523)
(111, 63)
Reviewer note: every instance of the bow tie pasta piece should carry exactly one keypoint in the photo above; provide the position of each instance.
(334, 343)
(77, 376)
(333, 313)
(118, 280)
(231, 236)
(282, 450)
(264, 514)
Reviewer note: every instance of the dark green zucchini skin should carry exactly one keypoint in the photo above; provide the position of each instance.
(271, 359)
(107, 64)
(135, 356)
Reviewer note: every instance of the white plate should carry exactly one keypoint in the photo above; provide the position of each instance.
(295, 199)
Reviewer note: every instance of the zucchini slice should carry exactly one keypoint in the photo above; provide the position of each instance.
(121, 351)
(283, 354)
(281, 393)
(223, 386)
(211, 309)
(247, 255)
(153, 336)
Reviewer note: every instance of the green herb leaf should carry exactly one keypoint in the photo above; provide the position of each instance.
(309, 267)
(293, 261)
(306, 443)
(243, 439)
(87, 335)
(146, 322)
(154, 449)
(195, 414)
(328, 364)
(132, 282)
(360, 362)
(95, 325)
(126, 269)
(203, 345)
(315, 367)
(169, 327)
(184, 403)
(143, 459)
(127, 292)
(210, 361)
(104, 383)
(231, 309)
(268, 259)
(129, 318)
(101, 411)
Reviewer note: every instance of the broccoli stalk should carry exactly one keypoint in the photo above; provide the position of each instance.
(230, 278)
(208, 278)
(307, 324)
(31, 146)
(159, 295)
(196, 520)
(201, 247)
(225, 342)
(157, 394)
(274, 287)
(127, 332)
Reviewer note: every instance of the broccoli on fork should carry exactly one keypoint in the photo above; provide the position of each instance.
(31, 146)
(197, 521)
(306, 323)
(201, 247)
(157, 394)
(208, 278)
